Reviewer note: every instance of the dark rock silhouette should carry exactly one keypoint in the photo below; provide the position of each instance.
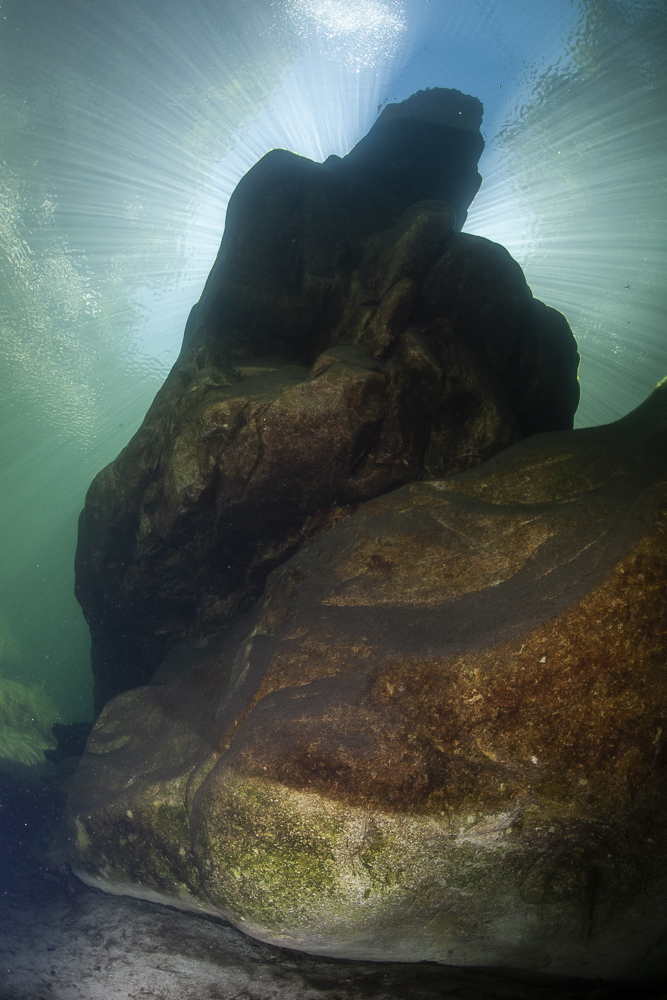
(350, 339)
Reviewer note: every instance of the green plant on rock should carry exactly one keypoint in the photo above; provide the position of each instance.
(26, 717)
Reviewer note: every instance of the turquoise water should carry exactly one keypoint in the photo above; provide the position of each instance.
(125, 126)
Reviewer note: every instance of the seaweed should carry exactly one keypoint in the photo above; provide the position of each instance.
(26, 717)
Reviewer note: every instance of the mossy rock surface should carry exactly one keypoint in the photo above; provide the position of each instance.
(439, 736)
(26, 717)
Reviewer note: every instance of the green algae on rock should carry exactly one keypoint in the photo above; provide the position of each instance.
(438, 736)
(26, 717)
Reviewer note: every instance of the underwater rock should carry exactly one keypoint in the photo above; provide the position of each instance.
(28, 807)
(439, 736)
(27, 715)
(349, 340)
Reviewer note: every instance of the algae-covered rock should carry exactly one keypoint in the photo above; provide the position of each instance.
(350, 339)
(26, 717)
(439, 736)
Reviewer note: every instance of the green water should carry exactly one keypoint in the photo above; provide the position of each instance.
(124, 127)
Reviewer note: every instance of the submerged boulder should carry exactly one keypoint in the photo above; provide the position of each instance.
(350, 340)
(440, 735)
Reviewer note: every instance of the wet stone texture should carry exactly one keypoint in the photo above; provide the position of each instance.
(350, 340)
(439, 735)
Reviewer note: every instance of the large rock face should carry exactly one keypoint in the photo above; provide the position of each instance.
(350, 340)
(440, 735)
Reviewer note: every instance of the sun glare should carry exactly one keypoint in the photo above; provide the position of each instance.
(358, 34)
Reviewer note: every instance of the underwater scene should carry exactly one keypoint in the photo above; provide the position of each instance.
(333, 631)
